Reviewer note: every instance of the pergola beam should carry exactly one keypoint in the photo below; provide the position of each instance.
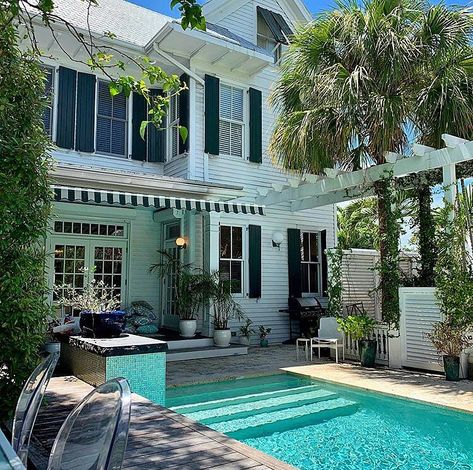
(342, 185)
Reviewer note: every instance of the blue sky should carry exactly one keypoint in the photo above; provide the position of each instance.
(314, 6)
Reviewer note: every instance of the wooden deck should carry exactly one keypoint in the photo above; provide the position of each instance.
(158, 437)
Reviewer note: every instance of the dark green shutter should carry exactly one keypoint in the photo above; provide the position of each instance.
(256, 154)
(157, 139)
(323, 247)
(66, 108)
(294, 261)
(212, 102)
(85, 120)
(139, 114)
(254, 261)
(184, 97)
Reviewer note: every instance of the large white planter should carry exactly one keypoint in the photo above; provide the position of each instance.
(187, 328)
(222, 338)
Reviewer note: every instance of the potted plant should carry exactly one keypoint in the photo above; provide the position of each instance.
(192, 290)
(51, 343)
(246, 331)
(224, 308)
(450, 340)
(98, 306)
(360, 328)
(263, 334)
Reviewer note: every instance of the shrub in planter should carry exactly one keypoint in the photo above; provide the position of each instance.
(450, 340)
(360, 328)
(263, 334)
(99, 317)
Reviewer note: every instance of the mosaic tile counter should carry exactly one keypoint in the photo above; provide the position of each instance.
(142, 361)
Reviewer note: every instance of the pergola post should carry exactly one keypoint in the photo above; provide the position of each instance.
(450, 185)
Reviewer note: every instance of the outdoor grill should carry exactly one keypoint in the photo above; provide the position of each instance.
(307, 312)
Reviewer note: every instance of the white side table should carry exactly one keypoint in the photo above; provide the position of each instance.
(305, 343)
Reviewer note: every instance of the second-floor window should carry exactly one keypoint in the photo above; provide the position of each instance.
(173, 127)
(48, 91)
(231, 121)
(266, 40)
(111, 132)
(310, 262)
(231, 256)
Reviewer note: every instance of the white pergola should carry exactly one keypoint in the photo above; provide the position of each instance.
(316, 191)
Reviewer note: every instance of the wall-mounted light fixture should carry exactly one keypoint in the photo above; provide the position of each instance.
(278, 238)
(181, 242)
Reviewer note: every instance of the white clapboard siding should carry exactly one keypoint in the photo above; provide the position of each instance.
(419, 310)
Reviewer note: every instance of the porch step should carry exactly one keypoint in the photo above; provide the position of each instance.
(185, 354)
(191, 343)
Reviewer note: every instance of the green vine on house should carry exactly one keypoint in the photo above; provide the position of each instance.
(334, 282)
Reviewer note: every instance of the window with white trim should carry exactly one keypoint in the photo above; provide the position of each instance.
(48, 92)
(311, 266)
(173, 127)
(231, 120)
(231, 257)
(112, 122)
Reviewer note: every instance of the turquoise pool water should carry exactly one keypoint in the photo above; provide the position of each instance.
(315, 425)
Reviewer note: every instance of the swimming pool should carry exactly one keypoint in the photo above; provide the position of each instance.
(311, 424)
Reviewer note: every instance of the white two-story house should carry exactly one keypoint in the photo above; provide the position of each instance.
(120, 198)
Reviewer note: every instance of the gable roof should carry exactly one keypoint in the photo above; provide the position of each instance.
(131, 23)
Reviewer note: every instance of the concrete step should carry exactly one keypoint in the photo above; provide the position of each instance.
(191, 343)
(185, 354)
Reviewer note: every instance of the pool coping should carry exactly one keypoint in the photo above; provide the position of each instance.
(396, 394)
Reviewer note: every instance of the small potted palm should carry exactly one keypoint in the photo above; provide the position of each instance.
(224, 308)
(192, 290)
(360, 327)
(450, 340)
(246, 332)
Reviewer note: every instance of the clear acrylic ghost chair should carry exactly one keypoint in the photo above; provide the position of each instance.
(94, 435)
(28, 405)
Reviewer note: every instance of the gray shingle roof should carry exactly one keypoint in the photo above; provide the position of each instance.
(131, 23)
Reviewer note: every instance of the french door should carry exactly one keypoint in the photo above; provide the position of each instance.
(77, 261)
(168, 289)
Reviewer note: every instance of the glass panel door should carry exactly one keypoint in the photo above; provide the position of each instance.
(168, 289)
(108, 263)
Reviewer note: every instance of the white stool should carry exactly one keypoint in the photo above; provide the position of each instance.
(303, 342)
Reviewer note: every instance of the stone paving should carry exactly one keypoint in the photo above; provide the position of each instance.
(259, 361)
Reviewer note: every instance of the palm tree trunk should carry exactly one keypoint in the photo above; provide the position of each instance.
(389, 254)
(427, 248)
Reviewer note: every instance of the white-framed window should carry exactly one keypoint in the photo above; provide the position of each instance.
(265, 39)
(311, 266)
(173, 127)
(231, 120)
(231, 265)
(49, 93)
(112, 122)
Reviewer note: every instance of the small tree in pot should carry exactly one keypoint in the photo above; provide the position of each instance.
(224, 308)
(246, 331)
(450, 340)
(193, 289)
(360, 328)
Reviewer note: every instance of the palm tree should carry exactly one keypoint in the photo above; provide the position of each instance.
(349, 91)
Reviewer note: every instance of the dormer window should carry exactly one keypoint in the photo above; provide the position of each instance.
(272, 32)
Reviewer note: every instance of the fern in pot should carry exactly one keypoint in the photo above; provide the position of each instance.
(224, 308)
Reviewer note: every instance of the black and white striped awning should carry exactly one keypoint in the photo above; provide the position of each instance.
(116, 198)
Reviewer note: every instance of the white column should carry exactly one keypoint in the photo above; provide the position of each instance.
(191, 161)
(450, 184)
(211, 256)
